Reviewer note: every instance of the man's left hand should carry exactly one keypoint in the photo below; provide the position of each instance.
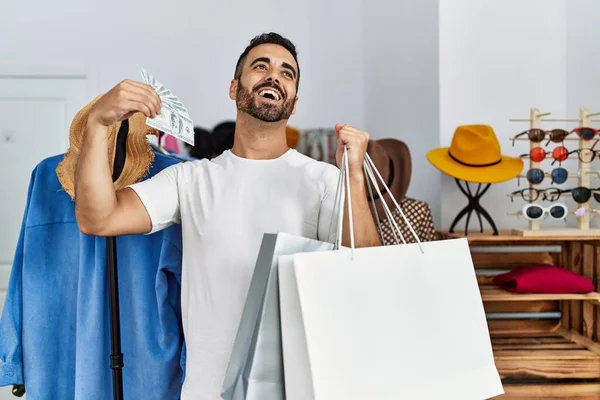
(356, 142)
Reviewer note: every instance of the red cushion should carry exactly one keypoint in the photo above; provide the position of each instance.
(543, 278)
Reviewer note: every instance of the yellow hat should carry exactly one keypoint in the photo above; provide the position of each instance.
(475, 156)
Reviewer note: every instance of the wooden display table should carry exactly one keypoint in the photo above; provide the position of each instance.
(546, 346)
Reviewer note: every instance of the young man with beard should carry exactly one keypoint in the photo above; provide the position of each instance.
(225, 204)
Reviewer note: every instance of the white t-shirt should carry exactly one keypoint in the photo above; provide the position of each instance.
(225, 205)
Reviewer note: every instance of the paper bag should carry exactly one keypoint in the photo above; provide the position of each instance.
(392, 322)
(298, 381)
(255, 370)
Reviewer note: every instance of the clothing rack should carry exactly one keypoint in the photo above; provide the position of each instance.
(116, 356)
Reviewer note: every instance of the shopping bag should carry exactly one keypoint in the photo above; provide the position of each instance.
(255, 370)
(391, 322)
(297, 372)
(394, 322)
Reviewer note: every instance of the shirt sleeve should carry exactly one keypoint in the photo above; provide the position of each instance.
(160, 196)
(329, 212)
(11, 355)
(11, 321)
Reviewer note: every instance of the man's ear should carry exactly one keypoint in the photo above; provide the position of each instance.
(233, 89)
(295, 104)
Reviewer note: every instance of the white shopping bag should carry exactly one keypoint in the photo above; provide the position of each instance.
(298, 381)
(255, 370)
(391, 322)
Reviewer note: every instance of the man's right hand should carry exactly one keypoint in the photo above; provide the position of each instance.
(124, 100)
(99, 210)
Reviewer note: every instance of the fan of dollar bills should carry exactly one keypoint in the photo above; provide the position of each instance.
(173, 118)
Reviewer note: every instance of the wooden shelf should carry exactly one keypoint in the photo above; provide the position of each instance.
(573, 391)
(563, 233)
(556, 355)
(540, 356)
(510, 235)
(494, 293)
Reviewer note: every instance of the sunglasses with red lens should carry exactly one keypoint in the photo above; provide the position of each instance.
(538, 154)
(584, 133)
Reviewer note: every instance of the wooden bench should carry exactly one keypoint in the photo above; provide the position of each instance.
(546, 346)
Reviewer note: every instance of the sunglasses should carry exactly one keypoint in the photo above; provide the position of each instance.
(584, 133)
(535, 212)
(582, 194)
(535, 176)
(580, 212)
(537, 135)
(538, 154)
(532, 194)
(584, 155)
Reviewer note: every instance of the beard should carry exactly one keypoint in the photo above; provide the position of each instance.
(247, 102)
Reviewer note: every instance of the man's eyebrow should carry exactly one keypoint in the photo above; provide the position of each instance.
(268, 61)
(261, 59)
(288, 66)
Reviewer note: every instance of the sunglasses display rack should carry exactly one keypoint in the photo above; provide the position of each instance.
(562, 142)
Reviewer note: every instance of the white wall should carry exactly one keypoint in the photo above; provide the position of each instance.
(497, 60)
(369, 63)
(583, 74)
(192, 47)
(410, 73)
(583, 58)
(401, 79)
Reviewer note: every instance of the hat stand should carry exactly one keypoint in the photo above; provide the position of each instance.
(584, 172)
(116, 356)
(473, 206)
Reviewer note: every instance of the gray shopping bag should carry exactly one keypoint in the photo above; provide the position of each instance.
(255, 370)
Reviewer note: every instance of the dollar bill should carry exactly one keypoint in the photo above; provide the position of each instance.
(162, 91)
(144, 74)
(174, 118)
(173, 100)
(178, 109)
(173, 123)
(174, 103)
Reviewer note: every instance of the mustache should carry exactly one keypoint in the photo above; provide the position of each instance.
(271, 85)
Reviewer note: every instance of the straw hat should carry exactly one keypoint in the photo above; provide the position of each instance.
(475, 156)
(139, 154)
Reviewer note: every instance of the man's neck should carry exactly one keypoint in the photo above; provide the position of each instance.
(258, 140)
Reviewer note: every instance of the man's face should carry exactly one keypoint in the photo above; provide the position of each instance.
(266, 89)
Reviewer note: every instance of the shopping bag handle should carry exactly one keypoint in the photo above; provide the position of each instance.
(344, 180)
(388, 217)
(370, 167)
(377, 219)
(340, 199)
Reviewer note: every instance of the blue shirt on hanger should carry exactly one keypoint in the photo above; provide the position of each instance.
(55, 326)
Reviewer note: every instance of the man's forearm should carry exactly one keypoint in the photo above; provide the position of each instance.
(365, 228)
(95, 198)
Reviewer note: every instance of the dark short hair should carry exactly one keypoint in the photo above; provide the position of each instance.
(267, 38)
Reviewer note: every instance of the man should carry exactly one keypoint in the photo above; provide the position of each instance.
(225, 205)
